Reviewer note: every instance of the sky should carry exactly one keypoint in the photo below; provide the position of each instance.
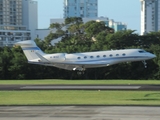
(126, 11)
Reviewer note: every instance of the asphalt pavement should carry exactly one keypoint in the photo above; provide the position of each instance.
(80, 87)
(79, 113)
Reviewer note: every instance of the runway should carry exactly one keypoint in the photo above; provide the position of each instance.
(80, 87)
(79, 113)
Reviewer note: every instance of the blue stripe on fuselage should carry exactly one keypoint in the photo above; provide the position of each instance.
(31, 48)
(112, 58)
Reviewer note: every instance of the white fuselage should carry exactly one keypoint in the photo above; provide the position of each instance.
(100, 58)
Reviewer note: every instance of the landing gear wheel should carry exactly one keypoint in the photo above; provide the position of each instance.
(80, 72)
(145, 64)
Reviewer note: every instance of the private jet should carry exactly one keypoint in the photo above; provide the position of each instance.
(84, 60)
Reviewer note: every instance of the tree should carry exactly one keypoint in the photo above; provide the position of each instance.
(5, 62)
(18, 64)
(73, 20)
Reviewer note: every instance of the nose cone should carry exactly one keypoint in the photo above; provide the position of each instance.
(152, 56)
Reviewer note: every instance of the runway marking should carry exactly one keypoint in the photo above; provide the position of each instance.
(80, 87)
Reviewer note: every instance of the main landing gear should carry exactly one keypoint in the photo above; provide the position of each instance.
(145, 64)
(80, 71)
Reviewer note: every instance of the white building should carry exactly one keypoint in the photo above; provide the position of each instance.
(80, 8)
(150, 16)
(13, 26)
(30, 16)
(42, 33)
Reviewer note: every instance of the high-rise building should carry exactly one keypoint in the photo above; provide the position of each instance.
(150, 16)
(13, 19)
(11, 12)
(81, 8)
(30, 16)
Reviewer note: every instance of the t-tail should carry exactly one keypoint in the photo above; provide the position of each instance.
(31, 50)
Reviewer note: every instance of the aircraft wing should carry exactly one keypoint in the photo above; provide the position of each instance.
(58, 65)
(73, 66)
(65, 66)
(78, 66)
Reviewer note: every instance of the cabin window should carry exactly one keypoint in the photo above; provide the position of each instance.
(98, 56)
(117, 54)
(91, 56)
(104, 55)
(51, 57)
(110, 55)
(85, 57)
(124, 54)
(78, 57)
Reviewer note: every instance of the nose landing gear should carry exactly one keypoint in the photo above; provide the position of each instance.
(145, 64)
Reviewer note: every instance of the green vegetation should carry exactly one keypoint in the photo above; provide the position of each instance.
(84, 37)
(79, 97)
(127, 82)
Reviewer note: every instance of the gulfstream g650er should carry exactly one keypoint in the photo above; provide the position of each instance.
(81, 61)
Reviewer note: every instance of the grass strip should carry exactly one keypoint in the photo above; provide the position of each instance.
(70, 97)
(55, 81)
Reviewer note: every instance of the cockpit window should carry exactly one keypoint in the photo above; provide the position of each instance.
(141, 51)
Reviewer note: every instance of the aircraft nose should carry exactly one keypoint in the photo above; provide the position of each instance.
(152, 56)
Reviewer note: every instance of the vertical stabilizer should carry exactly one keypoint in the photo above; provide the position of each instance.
(30, 49)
